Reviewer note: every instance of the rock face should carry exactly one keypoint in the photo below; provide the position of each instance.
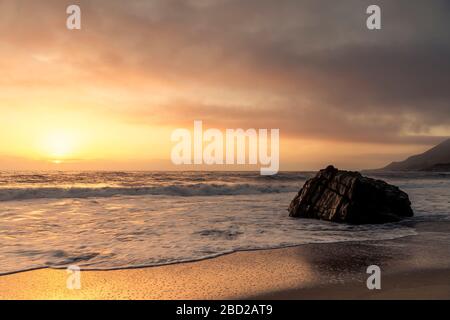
(345, 196)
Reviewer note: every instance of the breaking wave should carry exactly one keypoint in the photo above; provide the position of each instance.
(186, 190)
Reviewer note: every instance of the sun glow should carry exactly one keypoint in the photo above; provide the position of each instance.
(59, 145)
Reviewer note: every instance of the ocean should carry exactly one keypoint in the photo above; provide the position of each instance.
(110, 220)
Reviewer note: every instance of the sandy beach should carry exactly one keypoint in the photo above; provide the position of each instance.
(411, 269)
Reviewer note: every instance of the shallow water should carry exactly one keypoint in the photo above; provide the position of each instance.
(124, 219)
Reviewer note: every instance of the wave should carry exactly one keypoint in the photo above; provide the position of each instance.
(186, 190)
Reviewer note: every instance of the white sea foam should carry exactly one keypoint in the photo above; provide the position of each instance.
(198, 189)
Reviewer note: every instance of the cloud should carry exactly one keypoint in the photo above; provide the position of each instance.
(310, 68)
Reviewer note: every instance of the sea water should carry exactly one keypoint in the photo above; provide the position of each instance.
(108, 220)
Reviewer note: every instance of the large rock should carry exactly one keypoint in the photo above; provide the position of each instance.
(345, 196)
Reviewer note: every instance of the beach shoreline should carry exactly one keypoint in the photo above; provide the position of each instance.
(413, 267)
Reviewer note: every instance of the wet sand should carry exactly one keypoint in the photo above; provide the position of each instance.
(415, 267)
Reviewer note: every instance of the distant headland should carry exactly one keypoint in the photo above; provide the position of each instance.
(437, 159)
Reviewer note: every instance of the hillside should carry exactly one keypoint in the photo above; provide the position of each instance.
(436, 158)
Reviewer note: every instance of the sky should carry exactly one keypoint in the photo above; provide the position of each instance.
(109, 96)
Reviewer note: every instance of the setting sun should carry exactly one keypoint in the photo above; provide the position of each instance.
(59, 144)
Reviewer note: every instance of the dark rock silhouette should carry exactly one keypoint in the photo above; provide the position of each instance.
(346, 196)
